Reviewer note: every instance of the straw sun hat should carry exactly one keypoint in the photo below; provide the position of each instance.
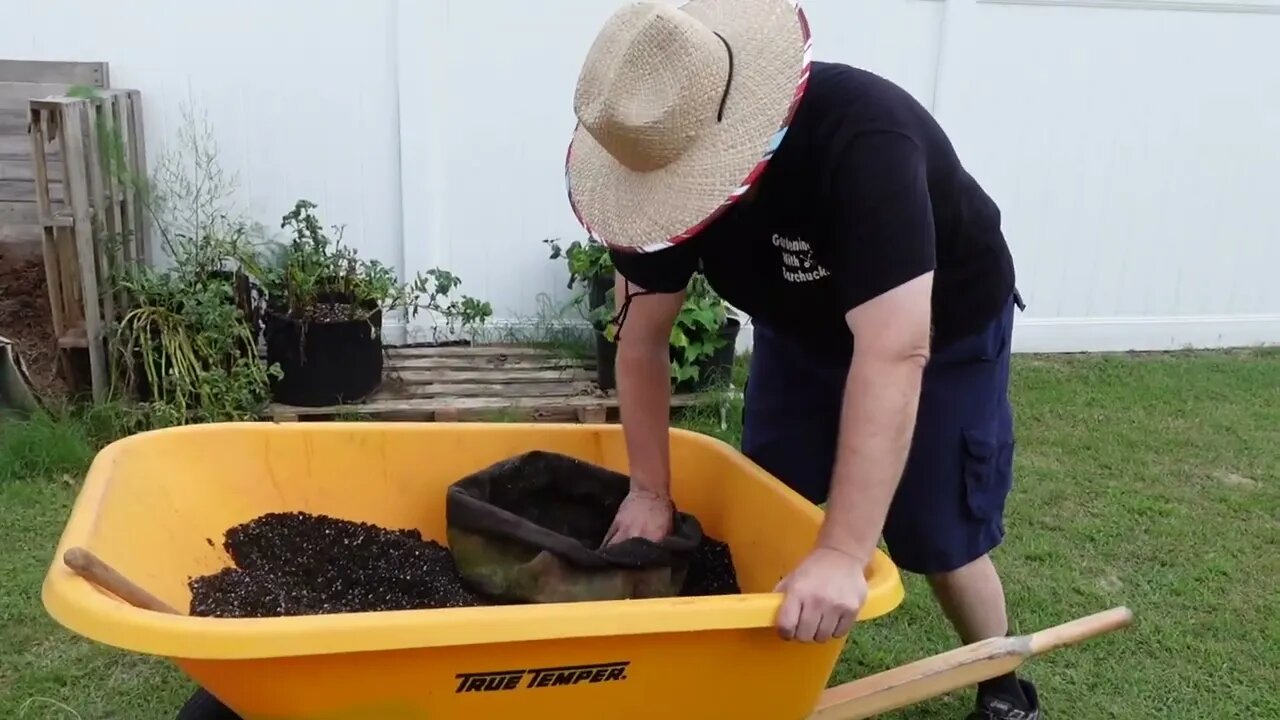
(679, 109)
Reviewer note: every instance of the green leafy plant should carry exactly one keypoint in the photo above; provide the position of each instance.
(430, 291)
(695, 335)
(185, 343)
(588, 263)
(586, 260)
(315, 277)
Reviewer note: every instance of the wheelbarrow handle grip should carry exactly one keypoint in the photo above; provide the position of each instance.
(954, 669)
(1079, 630)
(93, 569)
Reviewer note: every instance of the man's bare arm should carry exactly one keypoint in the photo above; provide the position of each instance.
(643, 367)
(881, 397)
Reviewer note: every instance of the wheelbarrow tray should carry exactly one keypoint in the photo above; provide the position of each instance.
(155, 506)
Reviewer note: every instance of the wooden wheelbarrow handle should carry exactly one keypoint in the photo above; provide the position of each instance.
(956, 669)
(92, 568)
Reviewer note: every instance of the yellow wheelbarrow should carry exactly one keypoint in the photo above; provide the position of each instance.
(153, 506)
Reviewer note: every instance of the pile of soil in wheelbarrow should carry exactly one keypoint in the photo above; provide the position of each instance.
(303, 564)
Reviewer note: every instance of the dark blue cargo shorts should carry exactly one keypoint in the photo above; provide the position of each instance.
(949, 506)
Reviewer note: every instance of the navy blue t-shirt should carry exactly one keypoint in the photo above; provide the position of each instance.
(864, 193)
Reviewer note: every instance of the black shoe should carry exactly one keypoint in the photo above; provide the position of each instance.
(994, 707)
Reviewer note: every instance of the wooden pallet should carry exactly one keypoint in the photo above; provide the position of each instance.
(485, 382)
(93, 222)
(20, 82)
(52, 190)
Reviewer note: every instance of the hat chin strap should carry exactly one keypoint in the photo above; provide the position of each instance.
(728, 83)
(621, 317)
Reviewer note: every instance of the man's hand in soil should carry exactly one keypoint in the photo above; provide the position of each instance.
(822, 597)
(642, 514)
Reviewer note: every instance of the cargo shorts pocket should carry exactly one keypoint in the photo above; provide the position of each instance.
(987, 472)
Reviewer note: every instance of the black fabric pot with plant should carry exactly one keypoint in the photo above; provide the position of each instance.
(324, 362)
(142, 388)
(598, 289)
(718, 368)
(606, 357)
(713, 370)
(249, 297)
(606, 351)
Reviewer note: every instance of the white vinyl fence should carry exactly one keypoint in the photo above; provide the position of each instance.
(1131, 144)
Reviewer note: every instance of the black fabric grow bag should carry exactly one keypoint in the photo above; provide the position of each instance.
(718, 368)
(530, 529)
(606, 362)
(715, 369)
(324, 362)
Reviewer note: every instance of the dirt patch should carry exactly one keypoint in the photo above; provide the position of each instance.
(1231, 479)
(1111, 583)
(25, 318)
(302, 564)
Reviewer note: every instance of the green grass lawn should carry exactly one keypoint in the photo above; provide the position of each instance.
(1152, 482)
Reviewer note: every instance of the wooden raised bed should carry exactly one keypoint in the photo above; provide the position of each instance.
(487, 382)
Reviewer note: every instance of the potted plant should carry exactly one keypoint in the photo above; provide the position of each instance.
(703, 337)
(186, 336)
(221, 259)
(324, 313)
(591, 276)
(590, 270)
(185, 346)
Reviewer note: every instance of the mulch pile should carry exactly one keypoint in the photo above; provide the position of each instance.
(25, 318)
(302, 564)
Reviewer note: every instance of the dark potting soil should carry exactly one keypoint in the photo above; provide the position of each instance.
(331, 312)
(569, 497)
(711, 571)
(302, 564)
(583, 518)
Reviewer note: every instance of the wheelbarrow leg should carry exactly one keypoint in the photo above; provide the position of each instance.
(955, 669)
(204, 706)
